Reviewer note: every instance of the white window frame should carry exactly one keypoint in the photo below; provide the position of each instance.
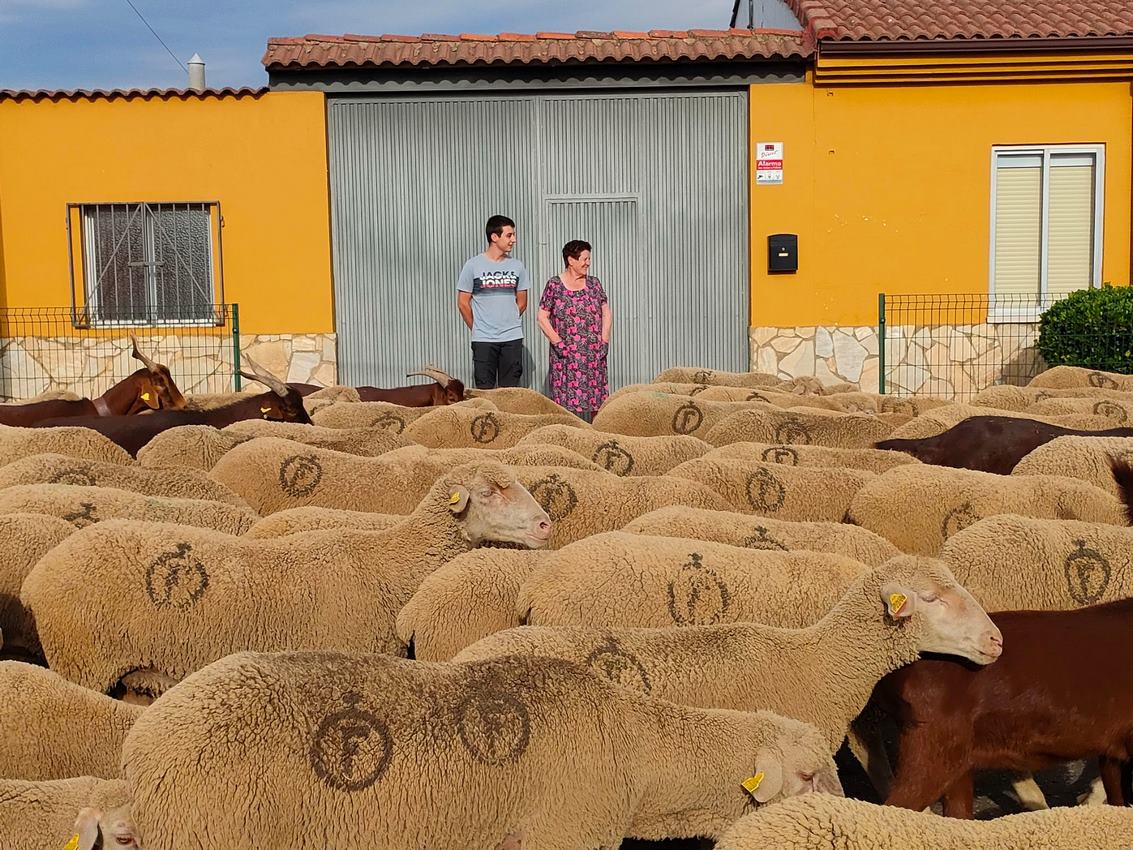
(1023, 315)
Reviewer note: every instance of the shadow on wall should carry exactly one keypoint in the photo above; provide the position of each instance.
(3, 264)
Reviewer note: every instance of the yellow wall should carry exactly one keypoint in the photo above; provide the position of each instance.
(263, 158)
(888, 187)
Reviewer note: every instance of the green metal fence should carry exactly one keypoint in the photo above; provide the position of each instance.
(78, 350)
(954, 346)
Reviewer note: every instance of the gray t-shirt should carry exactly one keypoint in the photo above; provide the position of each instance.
(495, 315)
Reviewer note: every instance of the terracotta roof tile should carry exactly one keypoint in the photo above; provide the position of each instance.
(544, 48)
(925, 20)
(129, 94)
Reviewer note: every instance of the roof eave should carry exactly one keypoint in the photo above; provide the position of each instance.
(976, 45)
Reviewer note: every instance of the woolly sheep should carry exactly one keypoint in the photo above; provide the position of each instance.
(582, 503)
(823, 674)
(471, 596)
(55, 729)
(201, 446)
(825, 822)
(60, 469)
(618, 453)
(456, 427)
(1061, 377)
(523, 752)
(1119, 411)
(710, 377)
(42, 815)
(185, 597)
(870, 460)
(765, 533)
(296, 520)
(918, 507)
(520, 400)
(802, 427)
(940, 419)
(1086, 458)
(82, 506)
(801, 493)
(24, 539)
(394, 418)
(274, 474)
(642, 580)
(1013, 563)
(17, 443)
(211, 401)
(1007, 397)
(650, 414)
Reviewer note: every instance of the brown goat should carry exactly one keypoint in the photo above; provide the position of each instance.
(282, 404)
(151, 388)
(1061, 690)
(445, 390)
(989, 443)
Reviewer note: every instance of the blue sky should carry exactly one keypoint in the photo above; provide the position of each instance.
(103, 44)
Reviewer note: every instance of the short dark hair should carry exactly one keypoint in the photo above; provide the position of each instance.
(573, 249)
(496, 225)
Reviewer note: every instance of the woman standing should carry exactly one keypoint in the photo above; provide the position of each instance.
(575, 316)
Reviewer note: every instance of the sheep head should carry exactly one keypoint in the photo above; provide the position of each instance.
(951, 621)
(97, 829)
(797, 761)
(490, 504)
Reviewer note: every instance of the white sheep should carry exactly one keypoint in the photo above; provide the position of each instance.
(618, 453)
(1060, 377)
(296, 520)
(756, 532)
(871, 460)
(43, 815)
(455, 426)
(1085, 458)
(17, 443)
(653, 414)
(823, 674)
(501, 754)
(24, 539)
(184, 597)
(384, 415)
(55, 729)
(825, 822)
(804, 427)
(471, 596)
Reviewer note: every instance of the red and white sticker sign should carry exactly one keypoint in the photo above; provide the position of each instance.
(769, 162)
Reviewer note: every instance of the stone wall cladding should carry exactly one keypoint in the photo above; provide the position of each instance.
(86, 366)
(949, 361)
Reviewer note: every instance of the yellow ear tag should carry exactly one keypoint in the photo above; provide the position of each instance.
(752, 783)
(145, 397)
(73, 843)
(897, 602)
(454, 498)
(265, 410)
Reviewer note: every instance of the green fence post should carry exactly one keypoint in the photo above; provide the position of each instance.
(881, 343)
(236, 346)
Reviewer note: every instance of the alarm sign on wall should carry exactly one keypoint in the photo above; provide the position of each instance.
(769, 162)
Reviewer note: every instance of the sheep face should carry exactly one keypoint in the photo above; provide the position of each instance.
(106, 830)
(799, 762)
(951, 621)
(490, 505)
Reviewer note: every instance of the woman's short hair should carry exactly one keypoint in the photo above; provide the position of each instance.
(573, 249)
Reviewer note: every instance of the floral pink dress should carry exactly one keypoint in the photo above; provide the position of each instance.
(579, 380)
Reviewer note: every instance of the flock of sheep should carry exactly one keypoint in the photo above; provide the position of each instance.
(488, 625)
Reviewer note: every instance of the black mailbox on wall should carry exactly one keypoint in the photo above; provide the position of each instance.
(783, 252)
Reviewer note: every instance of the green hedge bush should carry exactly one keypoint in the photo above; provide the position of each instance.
(1091, 328)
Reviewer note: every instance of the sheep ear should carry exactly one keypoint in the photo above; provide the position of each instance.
(899, 600)
(458, 499)
(767, 781)
(86, 830)
(512, 841)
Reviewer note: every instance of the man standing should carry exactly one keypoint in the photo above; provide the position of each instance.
(491, 296)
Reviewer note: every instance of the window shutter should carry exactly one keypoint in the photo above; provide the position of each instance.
(1018, 227)
(1070, 243)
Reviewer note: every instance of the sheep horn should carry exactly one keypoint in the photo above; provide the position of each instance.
(256, 374)
(437, 375)
(137, 355)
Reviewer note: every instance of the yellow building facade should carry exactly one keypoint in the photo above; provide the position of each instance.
(889, 181)
(249, 167)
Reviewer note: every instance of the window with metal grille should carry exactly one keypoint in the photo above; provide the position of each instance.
(148, 263)
(1046, 226)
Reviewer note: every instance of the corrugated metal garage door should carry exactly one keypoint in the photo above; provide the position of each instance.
(657, 182)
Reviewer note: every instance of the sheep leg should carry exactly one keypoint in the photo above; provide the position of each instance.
(960, 798)
(1030, 795)
(1095, 796)
(927, 768)
(1110, 770)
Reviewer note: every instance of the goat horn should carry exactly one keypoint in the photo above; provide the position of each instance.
(437, 375)
(256, 374)
(137, 355)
